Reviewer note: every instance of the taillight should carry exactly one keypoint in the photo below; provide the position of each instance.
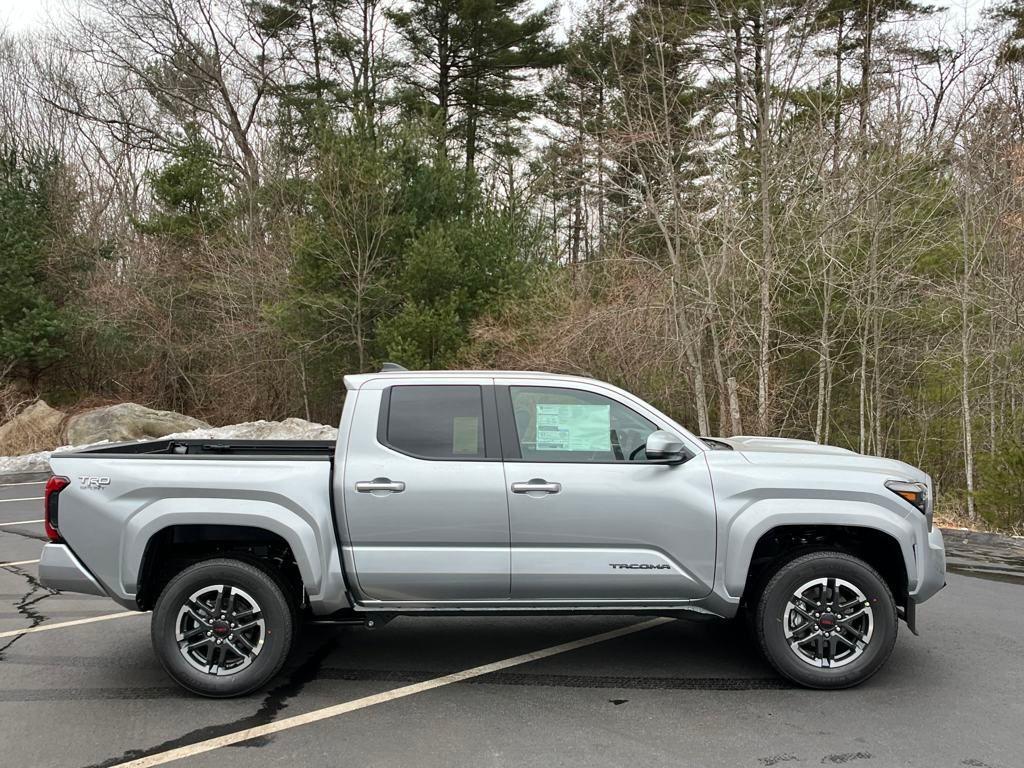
(53, 488)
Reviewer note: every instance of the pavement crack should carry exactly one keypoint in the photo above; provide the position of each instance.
(26, 606)
(776, 759)
(22, 534)
(845, 757)
(273, 703)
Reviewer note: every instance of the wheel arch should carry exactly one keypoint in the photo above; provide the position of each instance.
(218, 522)
(883, 540)
(174, 547)
(783, 544)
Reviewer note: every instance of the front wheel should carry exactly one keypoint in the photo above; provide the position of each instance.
(222, 628)
(826, 620)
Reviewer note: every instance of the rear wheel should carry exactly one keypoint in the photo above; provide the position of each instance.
(826, 620)
(222, 627)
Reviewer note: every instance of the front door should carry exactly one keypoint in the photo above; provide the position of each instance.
(590, 517)
(424, 494)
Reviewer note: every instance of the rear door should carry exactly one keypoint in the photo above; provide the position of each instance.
(424, 492)
(590, 517)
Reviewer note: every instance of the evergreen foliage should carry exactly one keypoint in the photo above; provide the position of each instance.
(33, 326)
(471, 60)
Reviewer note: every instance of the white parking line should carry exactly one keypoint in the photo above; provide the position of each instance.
(11, 485)
(28, 498)
(21, 522)
(19, 562)
(75, 623)
(379, 698)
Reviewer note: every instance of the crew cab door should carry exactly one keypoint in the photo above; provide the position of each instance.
(424, 493)
(590, 517)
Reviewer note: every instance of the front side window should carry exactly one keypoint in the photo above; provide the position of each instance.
(555, 424)
(436, 422)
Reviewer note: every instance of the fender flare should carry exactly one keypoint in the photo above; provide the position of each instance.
(304, 535)
(747, 528)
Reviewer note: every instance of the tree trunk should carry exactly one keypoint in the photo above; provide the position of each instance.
(734, 406)
(762, 89)
(723, 389)
(600, 169)
(865, 69)
(824, 353)
(684, 332)
(443, 86)
(863, 393)
(737, 73)
(700, 393)
(876, 383)
(965, 393)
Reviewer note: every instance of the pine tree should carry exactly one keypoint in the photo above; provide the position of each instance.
(580, 99)
(33, 327)
(189, 191)
(856, 28)
(1011, 13)
(471, 59)
(335, 47)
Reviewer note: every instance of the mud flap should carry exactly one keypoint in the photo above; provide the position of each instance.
(909, 615)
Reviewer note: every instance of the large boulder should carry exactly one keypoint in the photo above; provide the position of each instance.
(37, 428)
(126, 421)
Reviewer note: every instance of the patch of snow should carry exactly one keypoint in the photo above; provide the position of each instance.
(30, 462)
(289, 429)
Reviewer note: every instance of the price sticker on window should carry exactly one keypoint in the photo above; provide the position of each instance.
(573, 427)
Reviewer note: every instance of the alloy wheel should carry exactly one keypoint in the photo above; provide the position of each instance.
(220, 629)
(828, 622)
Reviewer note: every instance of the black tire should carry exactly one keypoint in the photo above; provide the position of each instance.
(859, 665)
(246, 584)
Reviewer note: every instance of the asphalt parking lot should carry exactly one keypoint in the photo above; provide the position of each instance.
(91, 693)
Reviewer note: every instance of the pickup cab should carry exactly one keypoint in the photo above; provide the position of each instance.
(494, 493)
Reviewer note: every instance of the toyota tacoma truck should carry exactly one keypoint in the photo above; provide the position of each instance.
(494, 493)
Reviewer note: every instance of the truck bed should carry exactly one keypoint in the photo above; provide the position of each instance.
(322, 450)
(123, 495)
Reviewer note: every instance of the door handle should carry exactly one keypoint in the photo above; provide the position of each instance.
(536, 486)
(380, 484)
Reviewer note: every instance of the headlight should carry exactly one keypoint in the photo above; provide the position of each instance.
(915, 493)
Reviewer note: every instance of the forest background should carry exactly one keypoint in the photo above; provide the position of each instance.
(799, 218)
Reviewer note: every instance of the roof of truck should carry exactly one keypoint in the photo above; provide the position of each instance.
(355, 381)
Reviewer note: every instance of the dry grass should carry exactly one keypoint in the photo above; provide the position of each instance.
(18, 436)
(952, 514)
(12, 402)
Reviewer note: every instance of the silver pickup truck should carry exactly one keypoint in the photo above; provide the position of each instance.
(494, 493)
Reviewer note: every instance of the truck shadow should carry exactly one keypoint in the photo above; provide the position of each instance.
(681, 655)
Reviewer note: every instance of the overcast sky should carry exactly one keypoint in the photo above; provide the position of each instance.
(19, 15)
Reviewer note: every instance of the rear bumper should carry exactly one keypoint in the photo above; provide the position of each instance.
(60, 569)
(931, 563)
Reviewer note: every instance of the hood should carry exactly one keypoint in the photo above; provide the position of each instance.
(751, 443)
(789, 452)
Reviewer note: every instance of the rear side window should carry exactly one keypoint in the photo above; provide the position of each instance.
(442, 422)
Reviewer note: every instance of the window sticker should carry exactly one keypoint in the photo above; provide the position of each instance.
(573, 427)
(465, 430)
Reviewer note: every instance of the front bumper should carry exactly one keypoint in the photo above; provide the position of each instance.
(60, 569)
(931, 567)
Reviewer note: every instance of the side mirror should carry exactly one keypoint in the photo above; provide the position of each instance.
(665, 446)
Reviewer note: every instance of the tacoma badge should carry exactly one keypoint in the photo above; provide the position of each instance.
(642, 566)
